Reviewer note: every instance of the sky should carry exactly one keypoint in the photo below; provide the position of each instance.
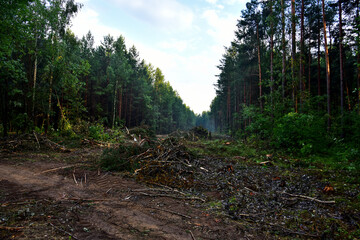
(184, 38)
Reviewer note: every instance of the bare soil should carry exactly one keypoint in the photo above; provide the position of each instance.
(73, 201)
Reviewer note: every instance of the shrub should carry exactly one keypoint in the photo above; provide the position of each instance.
(118, 159)
(97, 132)
(300, 132)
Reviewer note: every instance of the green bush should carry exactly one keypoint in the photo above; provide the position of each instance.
(261, 124)
(351, 128)
(97, 132)
(302, 133)
(118, 159)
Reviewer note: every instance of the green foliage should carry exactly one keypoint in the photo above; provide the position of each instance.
(143, 131)
(97, 132)
(199, 132)
(300, 133)
(118, 159)
(75, 80)
(261, 124)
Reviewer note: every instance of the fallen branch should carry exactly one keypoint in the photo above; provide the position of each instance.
(169, 211)
(60, 168)
(19, 203)
(61, 230)
(75, 178)
(192, 235)
(309, 198)
(85, 200)
(159, 190)
(37, 140)
(172, 196)
(291, 231)
(11, 228)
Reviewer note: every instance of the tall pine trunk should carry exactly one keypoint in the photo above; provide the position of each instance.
(301, 60)
(259, 64)
(327, 61)
(271, 54)
(318, 58)
(341, 67)
(283, 46)
(358, 57)
(114, 104)
(34, 81)
(120, 103)
(293, 52)
(49, 103)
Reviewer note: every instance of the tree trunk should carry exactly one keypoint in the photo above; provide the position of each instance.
(309, 67)
(4, 108)
(228, 114)
(120, 103)
(259, 64)
(49, 103)
(114, 104)
(283, 47)
(271, 54)
(293, 53)
(327, 67)
(341, 68)
(318, 60)
(358, 58)
(34, 82)
(301, 56)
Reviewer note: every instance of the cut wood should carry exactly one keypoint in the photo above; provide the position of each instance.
(169, 211)
(11, 228)
(309, 198)
(172, 196)
(60, 168)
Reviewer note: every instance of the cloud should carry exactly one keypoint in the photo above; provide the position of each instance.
(221, 29)
(88, 19)
(211, 1)
(173, 44)
(167, 14)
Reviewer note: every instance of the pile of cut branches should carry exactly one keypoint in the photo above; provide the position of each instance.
(169, 164)
(30, 141)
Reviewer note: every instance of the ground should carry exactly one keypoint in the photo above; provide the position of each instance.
(181, 190)
(51, 205)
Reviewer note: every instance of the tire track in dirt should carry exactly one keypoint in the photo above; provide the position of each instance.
(117, 212)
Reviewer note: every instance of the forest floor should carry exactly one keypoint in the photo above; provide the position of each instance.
(51, 194)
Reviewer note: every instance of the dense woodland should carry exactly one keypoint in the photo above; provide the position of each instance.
(292, 75)
(50, 80)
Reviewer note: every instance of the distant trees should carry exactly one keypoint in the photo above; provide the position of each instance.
(269, 69)
(49, 79)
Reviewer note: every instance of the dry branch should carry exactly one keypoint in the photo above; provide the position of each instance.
(60, 168)
(61, 230)
(309, 198)
(11, 228)
(75, 178)
(169, 211)
(192, 235)
(37, 140)
(172, 196)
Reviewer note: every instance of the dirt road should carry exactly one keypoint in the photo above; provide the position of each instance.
(42, 196)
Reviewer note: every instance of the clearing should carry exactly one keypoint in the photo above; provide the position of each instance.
(175, 194)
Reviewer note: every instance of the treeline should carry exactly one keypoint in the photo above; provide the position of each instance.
(292, 73)
(50, 80)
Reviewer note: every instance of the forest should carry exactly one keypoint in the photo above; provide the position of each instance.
(51, 80)
(96, 143)
(291, 76)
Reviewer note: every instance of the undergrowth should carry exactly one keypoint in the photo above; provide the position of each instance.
(118, 159)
